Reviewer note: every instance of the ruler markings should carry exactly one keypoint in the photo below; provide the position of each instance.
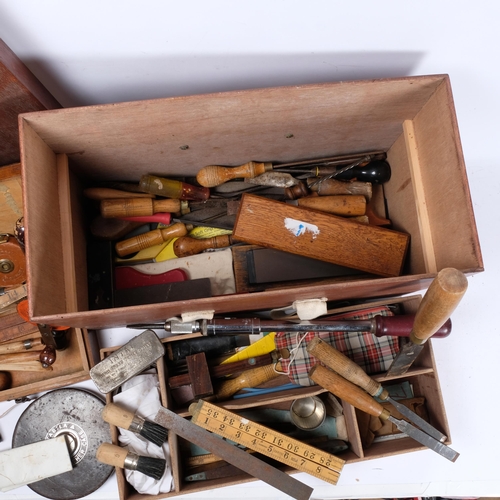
(269, 442)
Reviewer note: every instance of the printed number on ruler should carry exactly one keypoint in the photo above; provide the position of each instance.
(267, 441)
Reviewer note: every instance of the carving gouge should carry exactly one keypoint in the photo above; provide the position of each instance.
(348, 369)
(360, 399)
(440, 300)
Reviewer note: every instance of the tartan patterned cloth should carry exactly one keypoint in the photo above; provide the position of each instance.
(374, 354)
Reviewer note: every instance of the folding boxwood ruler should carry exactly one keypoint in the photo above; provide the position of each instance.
(266, 441)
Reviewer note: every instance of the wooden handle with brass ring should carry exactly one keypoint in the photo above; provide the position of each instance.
(347, 391)
(345, 367)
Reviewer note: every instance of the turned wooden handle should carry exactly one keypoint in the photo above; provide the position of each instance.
(249, 378)
(334, 187)
(186, 245)
(111, 454)
(347, 391)
(24, 366)
(131, 207)
(19, 346)
(345, 367)
(108, 194)
(149, 239)
(442, 297)
(19, 357)
(348, 205)
(118, 416)
(215, 175)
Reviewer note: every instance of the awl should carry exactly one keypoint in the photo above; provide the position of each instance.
(400, 326)
(348, 369)
(360, 399)
(440, 300)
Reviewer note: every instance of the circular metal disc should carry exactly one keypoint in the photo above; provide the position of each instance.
(76, 414)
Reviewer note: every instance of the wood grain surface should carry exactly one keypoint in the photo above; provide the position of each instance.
(326, 237)
(20, 92)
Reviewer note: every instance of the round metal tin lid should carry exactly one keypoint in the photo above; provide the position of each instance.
(76, 414)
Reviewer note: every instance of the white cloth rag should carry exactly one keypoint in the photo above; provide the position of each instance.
(141, 395)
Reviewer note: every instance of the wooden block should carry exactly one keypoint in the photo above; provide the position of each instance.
(199, 375)
(326, 237)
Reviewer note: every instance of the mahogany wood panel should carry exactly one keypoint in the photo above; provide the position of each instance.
(326, 237)
(20, 92)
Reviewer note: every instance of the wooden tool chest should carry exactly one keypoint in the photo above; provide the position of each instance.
(412, 119)
(422, 376)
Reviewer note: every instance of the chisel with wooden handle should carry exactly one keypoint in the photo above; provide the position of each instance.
(348, 369)
(346, 205)
(130, 207)
(151, 238)
(360, 399)
(46, 357)
(248, 378)
(440, 300)
(187, 245)
(22, 345)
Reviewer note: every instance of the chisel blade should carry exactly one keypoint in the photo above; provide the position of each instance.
(419, 421)
(407, 354)
(425, 439)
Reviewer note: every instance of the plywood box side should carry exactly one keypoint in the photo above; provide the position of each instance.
(74, 230)
(446, 185)
(44, 254)
(402, 210)
(124, 140)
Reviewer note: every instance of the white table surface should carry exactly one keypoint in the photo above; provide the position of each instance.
(92, 51)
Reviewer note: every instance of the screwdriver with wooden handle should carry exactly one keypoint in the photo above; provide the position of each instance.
(348, 369)
(360, 399)
(131, 207)
(442, 297)
(187, 245)
(151, 238)
(215, 175)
